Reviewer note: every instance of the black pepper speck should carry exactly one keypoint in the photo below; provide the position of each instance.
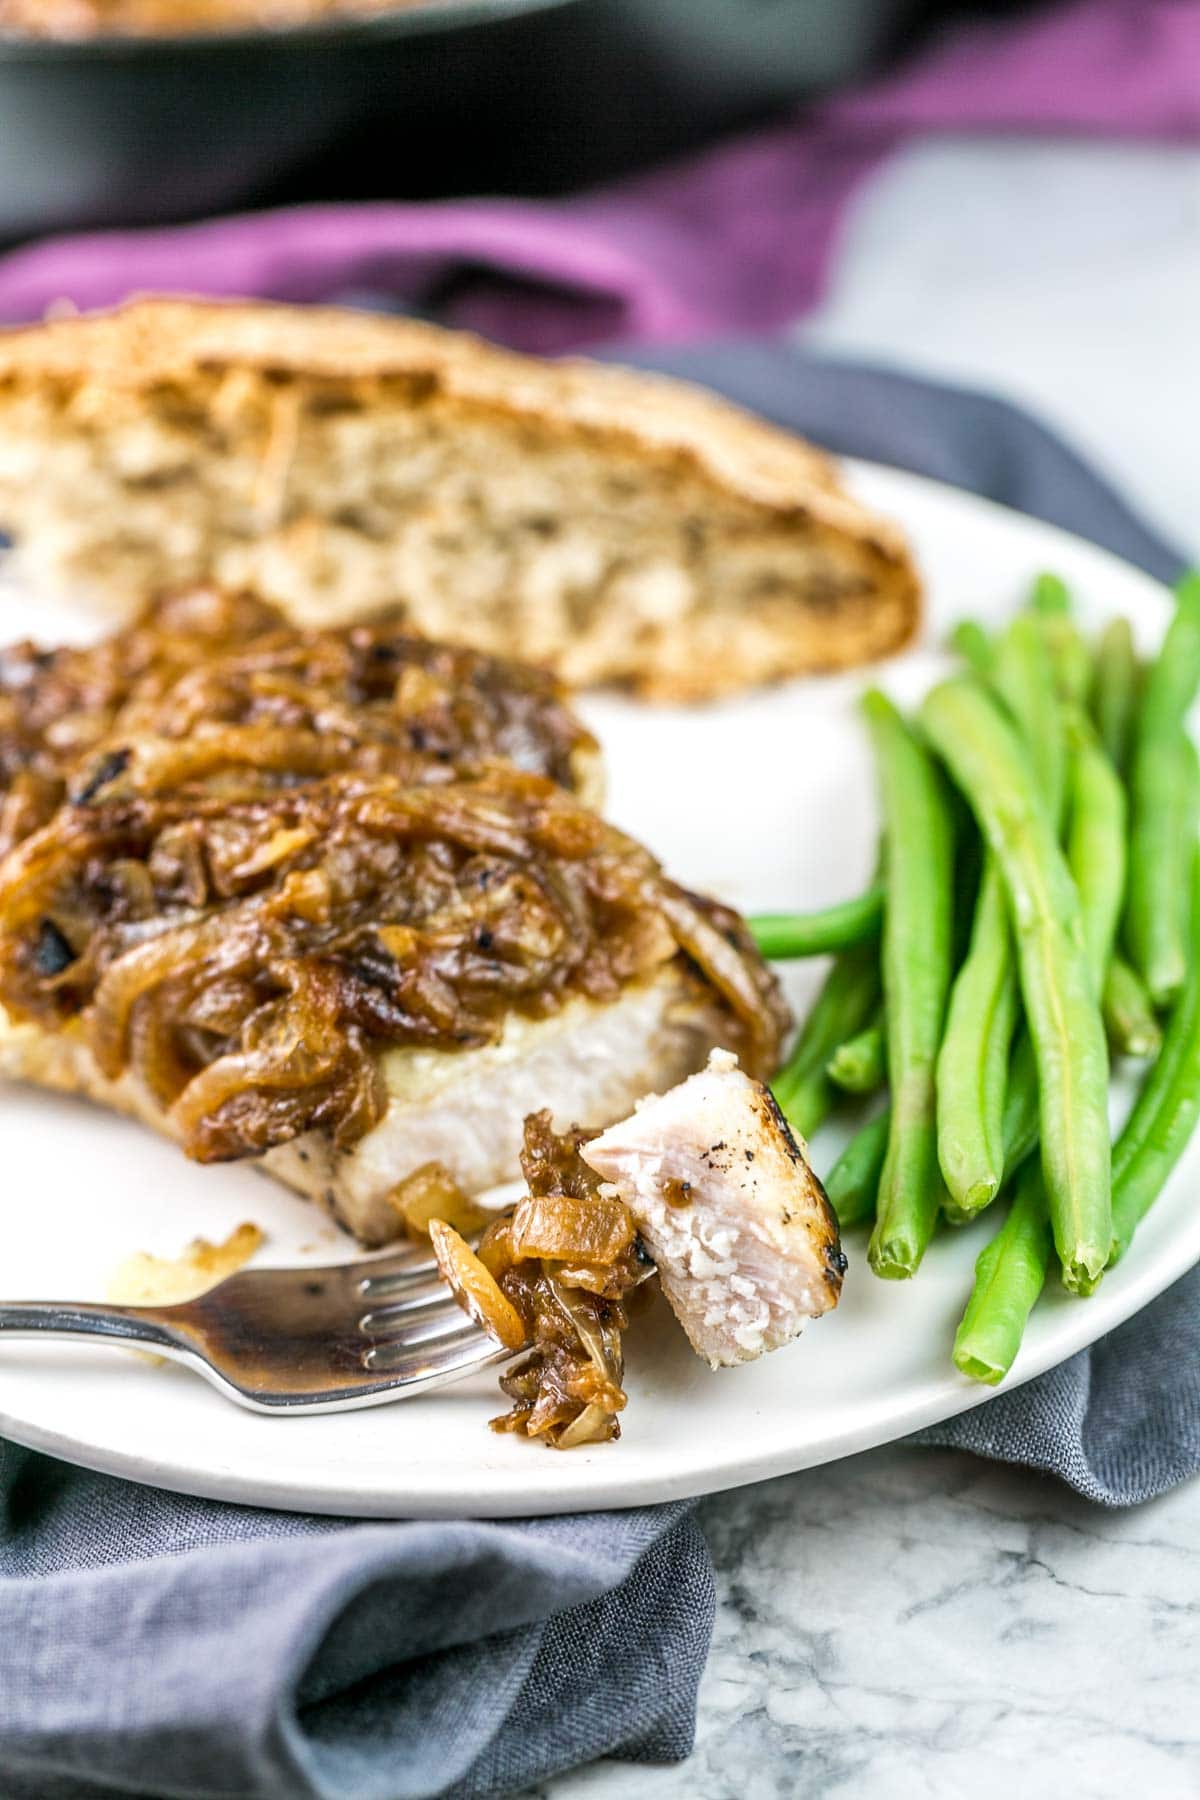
(52, 953)
(106, 770)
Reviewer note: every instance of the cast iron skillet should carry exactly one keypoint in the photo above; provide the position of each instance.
(452, 96)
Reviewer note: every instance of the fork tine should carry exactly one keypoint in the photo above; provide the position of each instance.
(429, 1326)
(390, 1320)
(410, 1357)
(296, 1339)
(393, 1274)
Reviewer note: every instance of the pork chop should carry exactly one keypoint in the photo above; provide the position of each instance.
(726, 1204)
(351, 978)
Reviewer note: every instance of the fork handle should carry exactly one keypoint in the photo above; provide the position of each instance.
(74, 1320)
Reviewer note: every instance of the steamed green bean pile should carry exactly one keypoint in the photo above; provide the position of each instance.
(1035, 916)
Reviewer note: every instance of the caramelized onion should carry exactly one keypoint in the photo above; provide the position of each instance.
(147, 967)
(560, 1226)
(333, 918)
(567, 1389)
(476, 1289)
(431, 1192)
(718, 942)
(250, 859)
(206, 682)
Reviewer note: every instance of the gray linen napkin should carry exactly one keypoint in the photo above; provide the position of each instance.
(165, 1646)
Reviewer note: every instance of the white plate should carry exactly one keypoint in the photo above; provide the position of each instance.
(768, 802)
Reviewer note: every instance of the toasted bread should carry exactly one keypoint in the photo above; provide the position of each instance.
(616, 526)
(74, 20)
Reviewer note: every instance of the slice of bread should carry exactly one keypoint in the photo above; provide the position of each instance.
(81, 19)
(618, 527)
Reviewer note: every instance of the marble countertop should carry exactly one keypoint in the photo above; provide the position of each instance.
(917, 1624)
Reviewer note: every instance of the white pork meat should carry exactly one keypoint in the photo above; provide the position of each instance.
(725, 1202)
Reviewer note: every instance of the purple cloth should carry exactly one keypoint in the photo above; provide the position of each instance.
(735, 240)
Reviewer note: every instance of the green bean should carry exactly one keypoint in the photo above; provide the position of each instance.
(986, 758)
(1167, 939)
(1023, 676)
(1051, 597)
(1096, 844)
(972, 1064)
(1162, 806)
(857, 1066)
(1021, 1105)
(854, 1179)
(784, 936)
(955, 1215)
(1010, 1274)
(970, 860)
(1096, 851)
(984, 1003)
(1115, 690)
(1027, 683)
(1159, 1080)
(972, 643)
(1050, 603)
(916, 955)
(1165, 1113)
(846, 1001)
(1129, 1017)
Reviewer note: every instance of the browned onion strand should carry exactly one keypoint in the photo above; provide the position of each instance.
(566, 1261)
(158, 1049)
(391, 916)
(206, 681)
(256, 857)
(719, 942)
(56, 706)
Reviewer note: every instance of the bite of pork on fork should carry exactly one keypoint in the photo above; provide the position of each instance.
(726, 1204)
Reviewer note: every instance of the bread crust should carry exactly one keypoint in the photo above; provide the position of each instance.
(75, 20)
(844, 587)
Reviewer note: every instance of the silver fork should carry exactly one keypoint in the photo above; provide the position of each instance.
(318, 1339)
